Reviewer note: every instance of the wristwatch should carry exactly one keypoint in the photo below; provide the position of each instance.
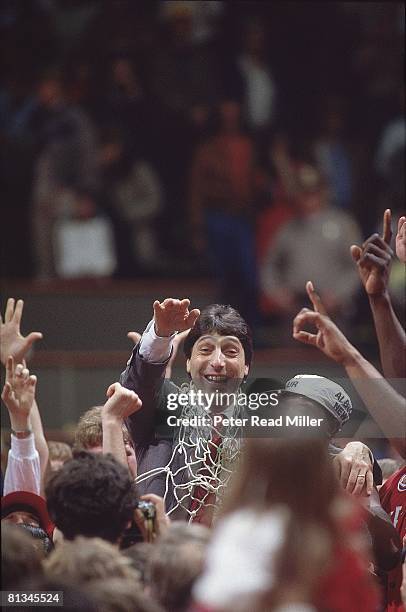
(25, 433)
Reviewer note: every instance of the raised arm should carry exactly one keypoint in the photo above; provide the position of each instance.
(120, 405)
(386, 406)
(23, 467)
(176, 342)
(14, 344)
(145, 372)
(374, 260)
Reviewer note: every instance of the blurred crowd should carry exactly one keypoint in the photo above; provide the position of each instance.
(199, 138)
(218, 495)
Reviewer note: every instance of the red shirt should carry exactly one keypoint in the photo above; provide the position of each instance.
(393, 500)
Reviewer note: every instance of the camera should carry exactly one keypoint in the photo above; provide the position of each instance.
(143, 525)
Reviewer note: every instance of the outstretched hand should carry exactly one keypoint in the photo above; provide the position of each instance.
(401, 240)
(172, 316)
(329, 339)
(374, 259)
(12, 343)
(18, 394)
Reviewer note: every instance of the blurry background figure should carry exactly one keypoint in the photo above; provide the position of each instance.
(132, 196)
(333, 154)
(390, 158)
(204, 16)
(222, 209)
(259, 96)
(59, 453)
(185, 77)
(314, 244)
(277, 191)
(65, 173)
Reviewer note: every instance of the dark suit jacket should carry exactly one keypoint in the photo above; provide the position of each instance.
(154, 441)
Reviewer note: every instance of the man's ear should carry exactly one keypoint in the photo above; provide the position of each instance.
(188, 366)
(246, 370)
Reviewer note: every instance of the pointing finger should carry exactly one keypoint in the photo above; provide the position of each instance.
(387, 226)
(315, 298)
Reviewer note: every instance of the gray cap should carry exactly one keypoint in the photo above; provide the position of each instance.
(324, 391)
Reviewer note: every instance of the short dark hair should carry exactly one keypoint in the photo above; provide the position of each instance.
(91, 495)
(224, 320)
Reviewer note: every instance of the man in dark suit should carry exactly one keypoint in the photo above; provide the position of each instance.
(219, 352)
(186, 443)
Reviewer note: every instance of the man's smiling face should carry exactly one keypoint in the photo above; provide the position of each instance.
(217, 363)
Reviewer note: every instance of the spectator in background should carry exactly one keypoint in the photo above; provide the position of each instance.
(65, 172)
(80, 78)
(132, 195)
(333, 155)
(185, 77)
(204, 16)
(278, 188)
(390, 158)
(315, 244)
(59, 454)
(259, 87)
(124, 104)
(222, 209)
